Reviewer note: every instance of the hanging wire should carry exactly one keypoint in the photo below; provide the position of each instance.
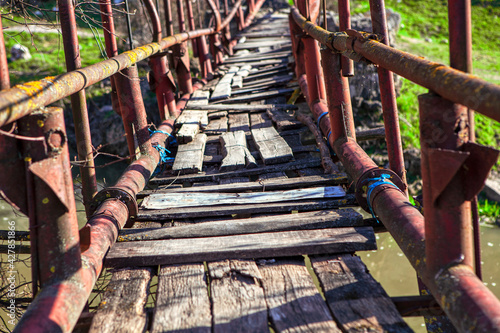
(323, 2)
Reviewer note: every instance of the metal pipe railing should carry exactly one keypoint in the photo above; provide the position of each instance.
(475, 93)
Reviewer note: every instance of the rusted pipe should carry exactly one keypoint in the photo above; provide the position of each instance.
(4, 68)
(58, 306)
(475, 93)
(214, 7)
(297, 47)
(388, 95)
(251, 14)
(78, 103)
(344, 24)
(169, 20)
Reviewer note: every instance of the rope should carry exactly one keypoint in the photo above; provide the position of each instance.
(378, 181)
(164, 152)
(321, 116)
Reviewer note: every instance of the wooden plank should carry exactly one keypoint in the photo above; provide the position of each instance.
(237, 82)
(257, 44)
(257, 56)
(188, 199)
(243, 107)
(223, 88)
(258, 96)
(357, 301)
(259, 120)
(284, 243)
(262, 63)
(182, 302)
(235, 152)
(284, 121)
(189, 116)
(239, 122)
(189, 158)
(262, 185)
(122, 307)
(244, 71)
(294, 303)
(333, 218)
(272, 147)
(206, 177)
(187, 133)
(199, 97)
(238, 303)
(217, 126)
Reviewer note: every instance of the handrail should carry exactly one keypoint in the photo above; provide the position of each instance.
(454, 85)
(23, 99)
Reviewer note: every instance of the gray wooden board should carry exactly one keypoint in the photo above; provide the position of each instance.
(206, 177)
(199, 97)
(216, 126)
(188, 199)
(237, 82)
(333, 218)
(272, 147)
(235, 152)
(357, 301)
(261, 63)
(261, 245)
(189, 158)
(189, 116)
(262, 185)
(182, 302)
(259, 120)
(255, 57)
(238, 303)
(122, 307)
(242, 107)
(258, 96)
(227, 210)
(294, 303)
(239, 122)
(223, 88)
(257, 44)
(187, 133)
(284, 121)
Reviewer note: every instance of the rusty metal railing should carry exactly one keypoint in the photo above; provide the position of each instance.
(37, 178)
(439, 246)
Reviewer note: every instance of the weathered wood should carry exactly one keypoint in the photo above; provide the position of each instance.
(244, 71)
(189, 116)
(217, 126)
(283, 222)
(199, 97)
(189, 158)
(262, 34)
(239, 122)
(370, 134)
(122, 307)
(187, 199)
(262, 185)
(237, 82)
(357, 301)
(262, 63)
(284, 121)
(285, 243)
(276, 70)
(268, 208)
(238, 303)
(187, 133)
(257, 96)
(255, 57)
(235, 152)
(272, 147)
(242, 107)
(223, 88)
(206, 177)
(259, 120)
(257, 44)
(182, 302)
(294, 303)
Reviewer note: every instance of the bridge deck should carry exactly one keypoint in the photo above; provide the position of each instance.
(247, 228)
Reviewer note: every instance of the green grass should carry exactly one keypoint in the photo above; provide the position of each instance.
(489, 209)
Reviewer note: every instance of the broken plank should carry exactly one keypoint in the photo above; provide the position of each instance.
(285, 243)
(189, 158)
(188, 199)
(187, 133)
(122, 306)
(333, 218)
(357, 301)
(207, 177)
(235, 152)
(257, 96)
(272, 147)
(267, 208)
(182, 302)
(294, 303)
(283, 120)
(238, 303)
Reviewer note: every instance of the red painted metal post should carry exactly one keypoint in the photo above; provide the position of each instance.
(388, 95)
(344, 24)
(191, 25)
(240, 17)
(78, 103)
(297, 47)
(56, 226)
(227, 31)
(181, 56)
(339, 97)
(4, 69)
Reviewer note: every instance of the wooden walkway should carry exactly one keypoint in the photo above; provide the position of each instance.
(246, 232)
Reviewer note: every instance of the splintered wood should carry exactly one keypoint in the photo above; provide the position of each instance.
(273, 149)
(189, 158)
(235, 152)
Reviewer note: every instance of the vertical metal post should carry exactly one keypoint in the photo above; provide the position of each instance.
(215, 44)
(344, 24)
(297, 47)
(227, 30)
(240, 17)
(169, 21)
(181, 56)
(4, 69)
(339, 98)
(388, 95)
(58, 241)
(191, 25)
(78, 103)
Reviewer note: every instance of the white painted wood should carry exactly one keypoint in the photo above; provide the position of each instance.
(175, 200)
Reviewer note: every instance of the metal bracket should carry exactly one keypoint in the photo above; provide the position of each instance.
(362, 184)
(120, 194)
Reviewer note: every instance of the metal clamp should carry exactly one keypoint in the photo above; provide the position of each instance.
(362, 184)
(120, 194)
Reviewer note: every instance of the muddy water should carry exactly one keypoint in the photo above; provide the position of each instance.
(388, 265)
